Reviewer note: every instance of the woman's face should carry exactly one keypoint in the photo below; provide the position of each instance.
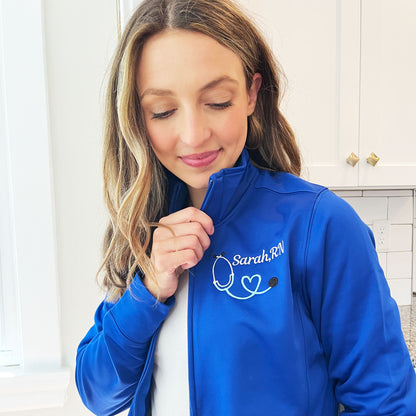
(196, 103)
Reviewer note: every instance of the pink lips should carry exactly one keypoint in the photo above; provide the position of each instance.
(199, 160)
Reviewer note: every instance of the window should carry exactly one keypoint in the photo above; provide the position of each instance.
(29, 305)
(9, 322)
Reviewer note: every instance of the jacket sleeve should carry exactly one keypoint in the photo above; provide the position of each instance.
(356, 319)
(112, 356)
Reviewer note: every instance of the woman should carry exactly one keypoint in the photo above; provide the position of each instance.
(257, 293)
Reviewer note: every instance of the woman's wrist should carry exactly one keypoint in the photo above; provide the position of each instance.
(154, 290)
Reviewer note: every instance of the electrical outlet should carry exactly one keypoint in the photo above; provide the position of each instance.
(381, 230)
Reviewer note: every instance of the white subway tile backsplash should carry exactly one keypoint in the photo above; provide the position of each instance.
(401, 290)
(347, 193)
(369, 209)
(401, 237)
(414, 207)
(400, 210)
(388, 192)
(414, 259)
(399, 265)
(382, 259)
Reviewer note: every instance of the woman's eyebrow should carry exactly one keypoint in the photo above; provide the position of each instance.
(217, 81)
(156, 91)
(212, 84)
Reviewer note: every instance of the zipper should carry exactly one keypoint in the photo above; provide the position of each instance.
(191, 289)
(191, 368)
(207, 194)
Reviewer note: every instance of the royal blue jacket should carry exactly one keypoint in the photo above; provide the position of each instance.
(289, 312)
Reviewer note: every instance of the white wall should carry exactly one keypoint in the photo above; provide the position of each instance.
(80, 37)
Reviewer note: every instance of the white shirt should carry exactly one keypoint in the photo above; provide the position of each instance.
(170, 393)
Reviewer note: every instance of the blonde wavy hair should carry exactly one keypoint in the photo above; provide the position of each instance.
(134, 180)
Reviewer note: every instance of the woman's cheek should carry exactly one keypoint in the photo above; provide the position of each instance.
(234, 128)
(160, 136)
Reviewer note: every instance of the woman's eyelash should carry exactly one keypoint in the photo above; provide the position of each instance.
(221, 106)
(216, 106)
(165, 114)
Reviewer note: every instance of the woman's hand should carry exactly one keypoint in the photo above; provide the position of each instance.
(174, 253)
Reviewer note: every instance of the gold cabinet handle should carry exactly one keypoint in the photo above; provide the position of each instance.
(352, 159)
(373, 159)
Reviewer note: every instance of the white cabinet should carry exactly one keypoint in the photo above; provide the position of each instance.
(351, 70)
(388, 91)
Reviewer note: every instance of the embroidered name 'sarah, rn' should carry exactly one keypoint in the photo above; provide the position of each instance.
(264, 257)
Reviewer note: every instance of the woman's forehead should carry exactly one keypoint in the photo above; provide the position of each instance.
(176, 56)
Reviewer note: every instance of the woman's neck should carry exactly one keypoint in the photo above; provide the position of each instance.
(196, 196)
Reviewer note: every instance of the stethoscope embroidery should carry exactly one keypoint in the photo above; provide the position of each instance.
(244, 281)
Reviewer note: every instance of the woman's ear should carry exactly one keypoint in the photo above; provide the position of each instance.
(253, 92)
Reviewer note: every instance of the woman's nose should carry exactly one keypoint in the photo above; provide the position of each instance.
(195, 130)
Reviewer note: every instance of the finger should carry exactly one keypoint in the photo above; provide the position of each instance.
(173, 262)
(190, 214)
(188, 258)
(191, 242)
(176, 231)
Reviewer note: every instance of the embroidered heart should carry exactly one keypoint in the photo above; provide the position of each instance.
(257, 280)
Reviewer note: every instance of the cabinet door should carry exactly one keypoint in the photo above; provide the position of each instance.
(388, 92)
(318, 45)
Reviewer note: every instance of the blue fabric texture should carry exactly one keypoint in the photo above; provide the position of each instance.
(289, 312)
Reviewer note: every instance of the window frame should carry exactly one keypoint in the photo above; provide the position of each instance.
(9, 318)
(39, 380)
(125, 9)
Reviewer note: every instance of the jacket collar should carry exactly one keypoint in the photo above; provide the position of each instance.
(225, 189)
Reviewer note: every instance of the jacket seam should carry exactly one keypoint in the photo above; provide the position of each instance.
(308, 236)
(303, 285)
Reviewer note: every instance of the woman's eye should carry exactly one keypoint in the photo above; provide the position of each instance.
(221, 106)
(165, 114)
